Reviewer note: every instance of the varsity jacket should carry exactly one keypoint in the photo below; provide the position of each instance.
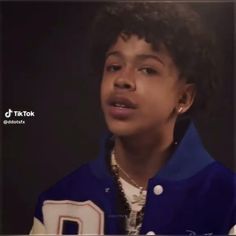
(192, 194)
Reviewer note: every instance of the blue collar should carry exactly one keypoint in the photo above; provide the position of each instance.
(188, 159)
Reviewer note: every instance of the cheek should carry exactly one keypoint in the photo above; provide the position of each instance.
(158, 99)
(105, 89)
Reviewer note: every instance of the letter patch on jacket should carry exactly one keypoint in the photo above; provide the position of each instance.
(71, 217)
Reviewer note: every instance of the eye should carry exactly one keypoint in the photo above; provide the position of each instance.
(148, 71)
(112, 68)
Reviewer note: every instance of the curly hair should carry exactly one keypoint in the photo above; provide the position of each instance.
(175, 25)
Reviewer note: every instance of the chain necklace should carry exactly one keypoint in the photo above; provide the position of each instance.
(125, 173)
(133, 218)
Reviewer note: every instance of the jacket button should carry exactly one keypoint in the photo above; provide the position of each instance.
(158, 190)
(150, 233)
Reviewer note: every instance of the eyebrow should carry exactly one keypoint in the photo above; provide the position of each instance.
(139, 57)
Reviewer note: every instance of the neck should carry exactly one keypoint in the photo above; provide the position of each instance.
(142, 156)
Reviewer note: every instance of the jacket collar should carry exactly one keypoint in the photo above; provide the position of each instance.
(188, 159)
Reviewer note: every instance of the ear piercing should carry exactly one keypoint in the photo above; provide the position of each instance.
(180, 110)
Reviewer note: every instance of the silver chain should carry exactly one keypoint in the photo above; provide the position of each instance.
(125, 173)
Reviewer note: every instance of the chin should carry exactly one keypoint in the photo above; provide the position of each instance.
(122, 128)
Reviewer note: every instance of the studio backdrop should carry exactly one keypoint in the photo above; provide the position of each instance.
(51, 98)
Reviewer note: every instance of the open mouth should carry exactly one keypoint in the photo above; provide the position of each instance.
(122, 102)
(121, 107)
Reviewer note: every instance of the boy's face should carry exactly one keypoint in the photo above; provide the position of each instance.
(140, 88)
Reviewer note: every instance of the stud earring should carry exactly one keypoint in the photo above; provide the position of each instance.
(180, 110)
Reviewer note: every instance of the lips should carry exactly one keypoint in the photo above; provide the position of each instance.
(121, 102)
(120, 107)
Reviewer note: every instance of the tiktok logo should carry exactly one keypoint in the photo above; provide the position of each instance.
(19, 113)
(8, 113)
(16, 117)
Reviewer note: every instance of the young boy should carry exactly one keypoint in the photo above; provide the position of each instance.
(153, 175)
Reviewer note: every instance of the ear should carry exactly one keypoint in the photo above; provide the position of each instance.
(187, 96)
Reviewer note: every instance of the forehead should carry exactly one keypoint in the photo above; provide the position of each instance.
(133, 46)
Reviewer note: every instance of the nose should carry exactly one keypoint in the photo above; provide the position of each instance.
(125, 81)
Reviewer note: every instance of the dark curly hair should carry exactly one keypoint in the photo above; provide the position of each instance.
(176, 25)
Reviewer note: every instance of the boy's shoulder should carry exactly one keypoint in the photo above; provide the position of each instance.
(83, 179)
(215, 188)
(221, 176)
(70, 185)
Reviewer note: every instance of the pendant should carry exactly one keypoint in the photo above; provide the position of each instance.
(139, 199)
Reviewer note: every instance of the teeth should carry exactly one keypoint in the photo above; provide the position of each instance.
(119, 105)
